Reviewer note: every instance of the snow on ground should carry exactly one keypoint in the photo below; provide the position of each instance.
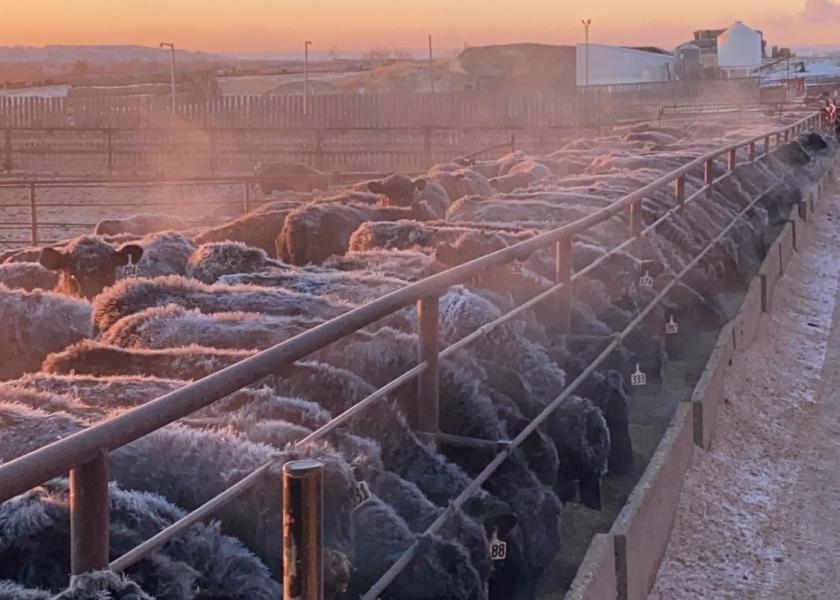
(758, 517)
(823, 66)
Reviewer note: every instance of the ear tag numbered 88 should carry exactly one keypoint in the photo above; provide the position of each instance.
(638, 378)
(646, 281)
(498, 548)
(671, 327)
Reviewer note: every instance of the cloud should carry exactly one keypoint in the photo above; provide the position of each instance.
(820, 11)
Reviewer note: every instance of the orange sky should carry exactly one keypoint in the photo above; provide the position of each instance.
(251, 25)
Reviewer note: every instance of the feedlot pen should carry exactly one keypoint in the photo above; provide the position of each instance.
(84, 454)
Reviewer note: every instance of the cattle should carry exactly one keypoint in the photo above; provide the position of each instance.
(87, 265)
(275, 175)
(36, 324)
(211, 261)
(139, 225)
(27, 276)
(258, 228)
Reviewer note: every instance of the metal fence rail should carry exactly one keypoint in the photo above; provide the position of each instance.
(84, 454)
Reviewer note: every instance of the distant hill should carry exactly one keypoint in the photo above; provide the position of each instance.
(67, 54)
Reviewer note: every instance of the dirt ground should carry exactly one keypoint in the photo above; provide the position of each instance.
(758, 517)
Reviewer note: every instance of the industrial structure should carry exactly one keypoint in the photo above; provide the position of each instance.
(609, 65)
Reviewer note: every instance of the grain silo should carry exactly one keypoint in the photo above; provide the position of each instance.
(739, 50)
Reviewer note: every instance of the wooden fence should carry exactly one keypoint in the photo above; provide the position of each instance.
(517, 109)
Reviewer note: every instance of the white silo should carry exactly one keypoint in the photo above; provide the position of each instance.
(739, 48)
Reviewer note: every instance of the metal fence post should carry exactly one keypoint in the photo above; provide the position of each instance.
(679, 190)
(303, 530)
(110, 151)
(563, 274)
(89, 515)
(636, 228)
(709, 177)
(733, 159)
(33, 214)
(767, 144)
(246, 198)
(427, 147)
(426, 409)
(752, 151)
(7, 163)
(512, 142)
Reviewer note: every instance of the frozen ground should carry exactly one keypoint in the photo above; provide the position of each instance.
(759, 515)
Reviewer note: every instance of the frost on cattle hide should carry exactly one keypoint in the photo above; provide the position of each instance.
(87, 265)
(36, 324)
(134, 295)
(210, 261)
(99, 359)
(164, 253)
(173, 326)
(409, 265)
(356, 287)
(460, 182)
(27, 276)
(200, 562)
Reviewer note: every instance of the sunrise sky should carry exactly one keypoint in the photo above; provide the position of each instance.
(253, 25)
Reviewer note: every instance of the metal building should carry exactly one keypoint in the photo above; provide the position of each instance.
(610, 65)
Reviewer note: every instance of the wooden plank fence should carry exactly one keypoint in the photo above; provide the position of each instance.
(462, 109)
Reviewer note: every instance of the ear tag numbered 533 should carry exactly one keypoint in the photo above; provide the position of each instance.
(498, 548)
(671, 327)
(638, 378)
(646, 281)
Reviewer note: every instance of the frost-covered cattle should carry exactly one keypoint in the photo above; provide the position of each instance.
(87, 265)
(275, 175)
(27, 276)
(258, 228)
(211, 261)
(36, 324)
(131, 296)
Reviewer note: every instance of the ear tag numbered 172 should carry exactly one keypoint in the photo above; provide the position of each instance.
(646, 281)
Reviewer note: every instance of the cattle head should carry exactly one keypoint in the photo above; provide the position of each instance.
(88, 265)
(468, 247)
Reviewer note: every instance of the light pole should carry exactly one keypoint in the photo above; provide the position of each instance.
(306, 45)
(586, 24)
(431, 65)
(171, 46)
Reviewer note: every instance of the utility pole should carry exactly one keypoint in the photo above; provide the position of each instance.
(586, 23)
(431, 65)
(306, 45)
(171, 46)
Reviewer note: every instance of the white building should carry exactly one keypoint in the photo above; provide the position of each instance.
(739, 51)
(609, 65)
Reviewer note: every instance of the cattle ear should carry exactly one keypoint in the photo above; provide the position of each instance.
(502, 523)
(53, 259)
(419, 184)
(130, 253)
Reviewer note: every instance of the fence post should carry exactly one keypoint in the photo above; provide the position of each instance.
(563, 274)
(636, 228)
(319, 149)
(212, 133)
(246, 198)
(427, 147)
(679, 190)
(110, 151)
(426, 409)
(752, 151)
(7, 163)
(512, 142)
(733, 159)
(89, 515)
(709, 177)
(303, 530)
(33, 214)
(767, 144)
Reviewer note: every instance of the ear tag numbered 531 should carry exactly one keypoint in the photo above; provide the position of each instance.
(361, 494)
(646, 281)
(671, 327)
(638, 378)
